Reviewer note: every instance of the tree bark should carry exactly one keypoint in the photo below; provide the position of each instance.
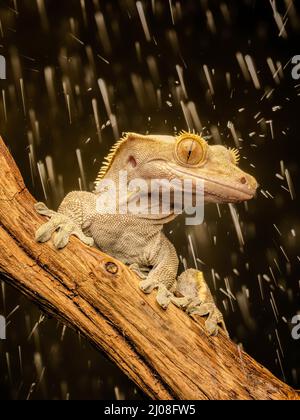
(166, 353)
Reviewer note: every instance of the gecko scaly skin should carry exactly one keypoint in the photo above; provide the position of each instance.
(138, 240)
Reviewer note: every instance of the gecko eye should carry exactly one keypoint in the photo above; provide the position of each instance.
(235, 156)
(191, 149)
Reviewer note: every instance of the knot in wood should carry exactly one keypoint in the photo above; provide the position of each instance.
(111, 268)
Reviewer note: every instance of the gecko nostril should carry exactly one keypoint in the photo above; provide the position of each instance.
(243, 180)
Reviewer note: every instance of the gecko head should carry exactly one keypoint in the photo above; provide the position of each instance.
(217, 166)
(184, 157)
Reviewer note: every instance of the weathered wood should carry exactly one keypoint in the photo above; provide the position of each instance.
(167, 354)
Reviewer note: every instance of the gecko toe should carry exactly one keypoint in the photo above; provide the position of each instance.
(44, 233)
(147, 286)
(43, 210)
(88, 241)
(212, 328)
(61, 239)
(201, 310)
(181, 302)
(164, 297)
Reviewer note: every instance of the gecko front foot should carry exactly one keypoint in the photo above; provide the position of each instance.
(197, 300)
(60, 224)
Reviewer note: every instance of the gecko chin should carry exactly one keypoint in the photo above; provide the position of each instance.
(230, 197)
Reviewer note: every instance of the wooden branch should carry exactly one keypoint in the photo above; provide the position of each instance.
(166, 353)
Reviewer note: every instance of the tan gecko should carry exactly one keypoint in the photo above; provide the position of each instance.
(138, 240)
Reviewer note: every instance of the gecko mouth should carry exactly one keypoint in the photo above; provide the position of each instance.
(222, 198)
(215, 190)
(229, 196)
